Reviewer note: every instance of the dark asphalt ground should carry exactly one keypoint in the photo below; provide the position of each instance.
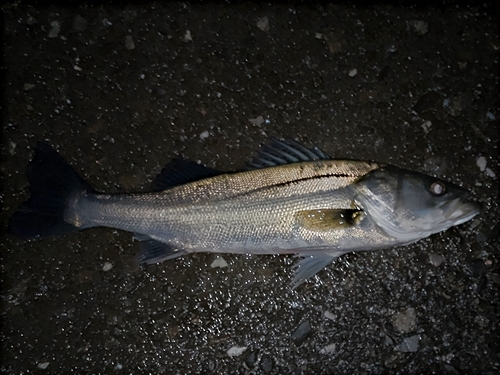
(120, 90)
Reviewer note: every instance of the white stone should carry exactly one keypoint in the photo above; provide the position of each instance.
(129, 42)
(328, 349)
(257, 121)
(263, 23)
(329, 315)
(56, 28)
(219, 262)
(409, 344)
(481, 163)
(490, 173)
(426, 126)
(236, 351)
(43, 365)
(187, 36)
(107, 266)
(436, 259)
(490, 115)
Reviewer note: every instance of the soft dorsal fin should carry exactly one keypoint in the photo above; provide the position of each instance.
(280, 152)
(180, 171)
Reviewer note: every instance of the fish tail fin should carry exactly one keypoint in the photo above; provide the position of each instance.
(53, 186)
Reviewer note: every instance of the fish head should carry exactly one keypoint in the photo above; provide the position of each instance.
(409, 205)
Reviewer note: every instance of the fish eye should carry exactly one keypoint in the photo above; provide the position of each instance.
(438, 188)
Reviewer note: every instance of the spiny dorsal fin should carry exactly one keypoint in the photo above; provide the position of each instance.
(180, 171)
(322, 220)
(280, 152)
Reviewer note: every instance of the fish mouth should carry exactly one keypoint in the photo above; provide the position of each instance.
(457, 211)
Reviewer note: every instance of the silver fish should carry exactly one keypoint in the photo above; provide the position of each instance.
(292, 200)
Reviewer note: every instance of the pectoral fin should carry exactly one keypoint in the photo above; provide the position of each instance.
(328, 219)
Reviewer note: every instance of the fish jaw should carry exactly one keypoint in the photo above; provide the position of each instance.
(459, 212)
(411, 230)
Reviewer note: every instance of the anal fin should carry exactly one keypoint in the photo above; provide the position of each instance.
(153, 251)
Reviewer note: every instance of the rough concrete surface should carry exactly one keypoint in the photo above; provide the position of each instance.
(120, 90)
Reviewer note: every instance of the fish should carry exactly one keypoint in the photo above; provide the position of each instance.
(291, 199)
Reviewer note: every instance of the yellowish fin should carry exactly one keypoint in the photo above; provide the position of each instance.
(321, 220)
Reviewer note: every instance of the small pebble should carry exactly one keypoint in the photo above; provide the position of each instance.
(409, 344)
(107, 266)
(56, 28)
(236, 351)
(252, 359)
(129, 42)
(490, 115)
(490, 173)
(266, 364)
(388, 340)
(301, 333)
(436, 259)
(219, 262)
(79, 23)
(353, 72)
(43, 365)
(328, 349)
(12, 147)
(406, 320)
(77, 68)
(329, 315)
(204, 135)
(257, 121)
(28, 86)
(481, 163)
(481, 321)
(263, 23)
(187, 36)
(426, 126)
(419, 27)
(392, 48)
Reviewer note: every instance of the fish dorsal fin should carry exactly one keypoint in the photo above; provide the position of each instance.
(180, 171)
(280, 152)
(322, 220)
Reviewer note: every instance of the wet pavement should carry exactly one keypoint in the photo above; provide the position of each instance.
(120, 90)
